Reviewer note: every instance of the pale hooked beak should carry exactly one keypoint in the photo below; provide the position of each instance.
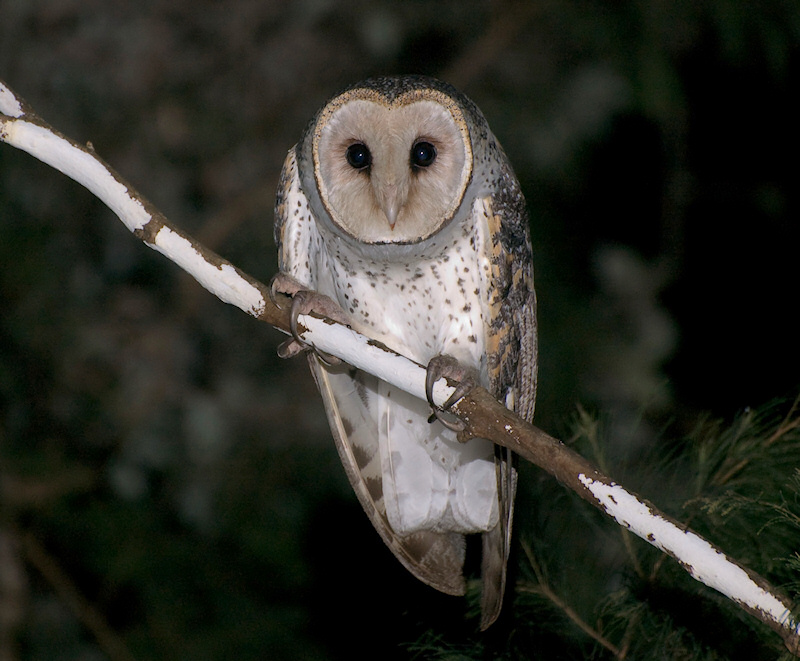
(390, 202)
(390, 211)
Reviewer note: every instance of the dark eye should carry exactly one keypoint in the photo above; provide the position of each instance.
(423, 154)
(358, 156)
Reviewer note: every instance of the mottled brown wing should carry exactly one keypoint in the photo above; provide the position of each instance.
(434, 558)
(512, 339)
(512, 356)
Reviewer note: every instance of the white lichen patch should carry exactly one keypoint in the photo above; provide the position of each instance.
(80, 165)
(9, 104)
(704, 562)
(363, 353)
(223, 281)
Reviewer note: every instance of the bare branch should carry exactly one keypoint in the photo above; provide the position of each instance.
(543, 589)
(83, 610)
(484, 416)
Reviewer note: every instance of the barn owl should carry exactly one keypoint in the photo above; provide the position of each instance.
(399, 208)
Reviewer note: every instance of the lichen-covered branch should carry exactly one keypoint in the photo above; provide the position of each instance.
(484, 416)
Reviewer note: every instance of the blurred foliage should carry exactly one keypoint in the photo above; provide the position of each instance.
(169, 488)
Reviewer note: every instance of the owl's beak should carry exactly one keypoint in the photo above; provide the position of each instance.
(392, 199)
(390, 211)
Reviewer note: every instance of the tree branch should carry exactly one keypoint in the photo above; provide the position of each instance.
(543, 589)
(84, 611)
(484, 416)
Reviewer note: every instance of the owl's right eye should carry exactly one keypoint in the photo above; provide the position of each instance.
(358, 156)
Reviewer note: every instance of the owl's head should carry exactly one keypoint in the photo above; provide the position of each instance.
(392, 158)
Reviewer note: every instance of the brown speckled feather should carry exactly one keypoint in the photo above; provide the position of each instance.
(512, 358)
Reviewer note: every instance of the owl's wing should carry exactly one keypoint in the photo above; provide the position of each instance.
(511, 329)
(349, 397)
(512, 357)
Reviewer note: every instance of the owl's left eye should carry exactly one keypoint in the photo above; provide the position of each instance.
(423, 154)
(358, 156)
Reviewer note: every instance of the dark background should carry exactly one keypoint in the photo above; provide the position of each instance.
(168, 487)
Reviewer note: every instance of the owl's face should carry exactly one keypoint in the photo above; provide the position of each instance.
(391, 171)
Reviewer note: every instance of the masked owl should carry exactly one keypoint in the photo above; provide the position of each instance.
(400, 205)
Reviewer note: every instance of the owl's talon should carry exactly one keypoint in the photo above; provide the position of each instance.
(289, 349)
(303, 302)
(453, 424)
(283, 283)
(447, 366)
(298, 307)
(273, 293)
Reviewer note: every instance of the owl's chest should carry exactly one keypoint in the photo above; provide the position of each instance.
(420, 306)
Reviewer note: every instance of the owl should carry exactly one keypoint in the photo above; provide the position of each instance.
(399, 209)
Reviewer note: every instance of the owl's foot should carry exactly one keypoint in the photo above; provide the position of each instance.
(446, 366)
(304, 301)
(283, 283)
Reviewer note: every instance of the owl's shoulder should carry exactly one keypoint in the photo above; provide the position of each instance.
(296, 231)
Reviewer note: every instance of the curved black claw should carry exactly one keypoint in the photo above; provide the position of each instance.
(443, 366)
(288, 349)
(296, 344)
(273, 291)
(298, 307)
(452, 423)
